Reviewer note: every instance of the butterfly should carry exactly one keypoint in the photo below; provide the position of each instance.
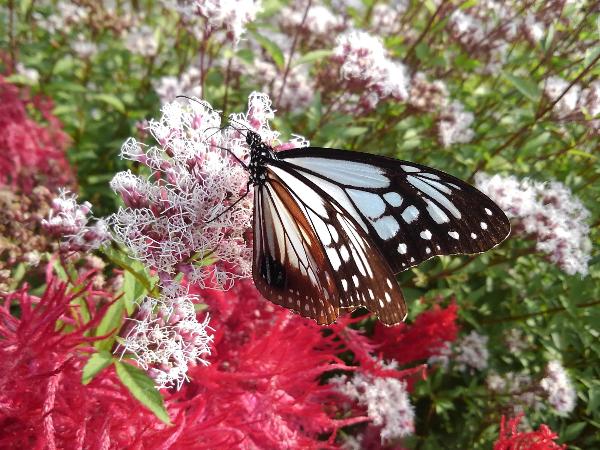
(333, 227)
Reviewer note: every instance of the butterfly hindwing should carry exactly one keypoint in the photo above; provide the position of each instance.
(411, 212)
(312, 257)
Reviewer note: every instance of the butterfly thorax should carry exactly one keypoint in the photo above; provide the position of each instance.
(260, 154)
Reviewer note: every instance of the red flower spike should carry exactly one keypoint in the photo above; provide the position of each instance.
(512, 439)
(32, 153)
(409, 343)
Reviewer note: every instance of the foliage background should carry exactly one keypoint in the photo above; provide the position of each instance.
(103, 95)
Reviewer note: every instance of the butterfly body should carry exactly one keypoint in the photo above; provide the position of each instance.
(333, 227)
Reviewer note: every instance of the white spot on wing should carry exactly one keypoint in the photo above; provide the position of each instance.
(393, 198)
(334, 233)
(425, 234)
(427, 250)
(410, 169)
(434, 194)
(410, 214)
(339, 195)
(429, 175)
(355, 280)
(334, 259)
(320, 228)
(388, 298)
(344, 284)
(488, 212)
(483, 225)
(436, 213)
(453, 234)
(309, 196)
(402, 248)
(350, 173)
(344, 252)
(371, 205)
(387, 227)
(473, 235)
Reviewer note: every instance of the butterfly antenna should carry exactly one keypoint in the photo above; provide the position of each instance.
(232, 205)
(244, 165)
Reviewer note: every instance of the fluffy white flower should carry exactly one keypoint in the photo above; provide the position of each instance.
(166, 338)
(554, 87)
(231, 15)
(83, 48)
(142, 41)
(454, 125)
(320, 22)
(364, 63)
(387, 401)
(180, 217)
(559, 388)
(30, 74)
(69, 220)
(188, 84)
(547, 211)
(471, 352)
(385, 17)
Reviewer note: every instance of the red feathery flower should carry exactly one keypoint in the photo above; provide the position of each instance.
(408, 343)
(32, 153)
(512, 439)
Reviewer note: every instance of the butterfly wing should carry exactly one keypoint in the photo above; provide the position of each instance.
(311, 257)
(410, 211)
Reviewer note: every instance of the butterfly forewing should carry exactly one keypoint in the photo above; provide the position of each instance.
(411, 212)
(313, 257)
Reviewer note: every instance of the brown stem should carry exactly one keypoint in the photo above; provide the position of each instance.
(11, 35)
(409, 54)
(541, 113)
(227, 78)
(288, 65)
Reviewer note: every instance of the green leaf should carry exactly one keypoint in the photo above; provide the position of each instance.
(111, 100)
(572, 431)
(111, 322)
(143, 389)
(272, 49)
(526, 87)
(96, 363)
(132, 290)
(313, 56)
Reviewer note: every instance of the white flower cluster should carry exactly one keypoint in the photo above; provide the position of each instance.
(68, 219)
(385, 17)
(524, 393)
(31, 74)
(188, 84)
(559, 388)
(178, 219)
(468, 353)
(320, 25)
(454, 125)
(365, 65)
(471, 352)
(576, 104)
(84, 48)
(166, 338)
(66, 16)
(230, 15)
(387, 401)
(142, 41)
(547, 211)
(515, 340)
(519, 387)
(428, 96)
